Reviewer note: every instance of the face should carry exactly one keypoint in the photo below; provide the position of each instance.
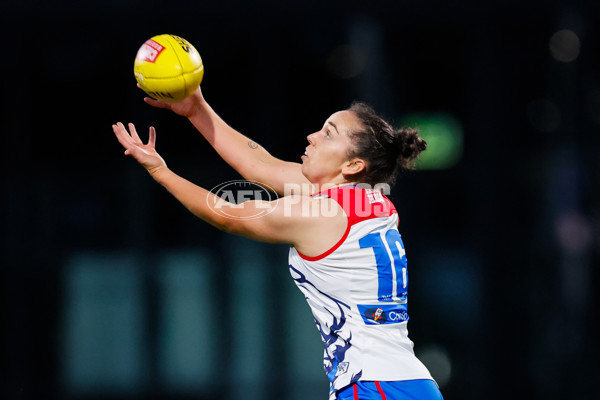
(325, 160)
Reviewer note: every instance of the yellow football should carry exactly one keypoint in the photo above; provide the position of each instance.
(168, 67)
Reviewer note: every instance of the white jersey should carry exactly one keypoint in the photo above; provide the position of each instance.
(357, 292)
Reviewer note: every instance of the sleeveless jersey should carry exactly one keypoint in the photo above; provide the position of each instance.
(357, 292)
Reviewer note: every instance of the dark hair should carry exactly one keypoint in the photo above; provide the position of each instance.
(383, 147)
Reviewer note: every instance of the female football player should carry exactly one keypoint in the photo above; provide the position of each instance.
(346, 255)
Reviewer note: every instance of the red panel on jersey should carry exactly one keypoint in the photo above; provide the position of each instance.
(359, 205)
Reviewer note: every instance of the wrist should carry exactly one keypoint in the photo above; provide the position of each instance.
(197, 109)
(159, 173)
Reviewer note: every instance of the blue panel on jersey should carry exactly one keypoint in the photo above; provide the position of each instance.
(394, 240)
(384, 265)
(381, 315)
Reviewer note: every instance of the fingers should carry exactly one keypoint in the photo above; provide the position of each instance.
(122, 135)
(134, 134)
(156, 103)
(152, 138)
(131, 138)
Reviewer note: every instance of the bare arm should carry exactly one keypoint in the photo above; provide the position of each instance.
(248, 158)
(297, 220)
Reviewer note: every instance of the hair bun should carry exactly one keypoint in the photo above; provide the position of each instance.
(382, 147)
(410, 145)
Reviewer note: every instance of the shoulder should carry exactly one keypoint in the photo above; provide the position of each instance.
(312, 223)
(301, 209)
(362, 203)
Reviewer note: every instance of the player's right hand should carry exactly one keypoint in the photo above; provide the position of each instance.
(186, 107)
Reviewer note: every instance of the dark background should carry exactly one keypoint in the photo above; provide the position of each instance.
(503, 246)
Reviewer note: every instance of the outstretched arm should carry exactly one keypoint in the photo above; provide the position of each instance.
(193, 197)
(248, 158)
(290, 219)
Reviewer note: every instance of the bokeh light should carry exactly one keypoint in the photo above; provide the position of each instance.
(437, 359)
(444, 136)
(565, 45)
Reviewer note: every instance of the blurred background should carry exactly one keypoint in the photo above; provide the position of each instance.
(111, 290)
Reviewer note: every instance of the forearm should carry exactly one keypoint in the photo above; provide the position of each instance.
(195, 198)
(238, 219)
(240, 152)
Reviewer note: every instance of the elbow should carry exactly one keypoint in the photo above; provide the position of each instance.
(222, 223)
(244, 228)
(230, 225)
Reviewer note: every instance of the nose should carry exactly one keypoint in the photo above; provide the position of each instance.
(311, 138)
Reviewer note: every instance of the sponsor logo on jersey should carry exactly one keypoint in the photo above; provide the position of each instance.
(378, 313)
(381, 314)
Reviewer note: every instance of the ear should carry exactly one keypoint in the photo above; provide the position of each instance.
(353, 166)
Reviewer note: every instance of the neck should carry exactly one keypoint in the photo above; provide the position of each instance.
(327, 186)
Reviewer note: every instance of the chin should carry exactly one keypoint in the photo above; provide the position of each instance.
(304, 168)
(307, 175)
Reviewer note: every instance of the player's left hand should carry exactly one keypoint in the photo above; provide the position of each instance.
(145, 154)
